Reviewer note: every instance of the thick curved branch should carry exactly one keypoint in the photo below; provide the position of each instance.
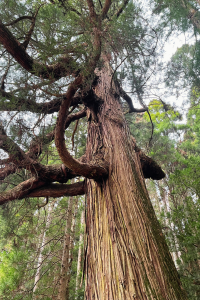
(105, 9)
(22, 160)
(58, 173)
(21, 190)
(65, 67)
(50, 171)
(37, 188)
(90, 171)
(91, 7)
(27, 104)
(44, 140)
(59, 190)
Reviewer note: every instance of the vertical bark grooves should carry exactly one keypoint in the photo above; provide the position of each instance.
(127, 256)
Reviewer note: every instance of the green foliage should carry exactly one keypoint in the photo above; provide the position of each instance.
(183, 69)
(176, 14)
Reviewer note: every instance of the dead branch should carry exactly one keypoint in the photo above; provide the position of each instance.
(73, 133)
(5, 74)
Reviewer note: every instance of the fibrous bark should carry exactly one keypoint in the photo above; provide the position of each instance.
(127, 256)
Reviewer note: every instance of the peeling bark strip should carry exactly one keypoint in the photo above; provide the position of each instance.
(127, 256)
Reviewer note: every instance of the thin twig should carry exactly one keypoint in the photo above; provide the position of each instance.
(75, 128)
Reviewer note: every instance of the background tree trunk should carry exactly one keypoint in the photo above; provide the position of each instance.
(80, 252)
(127, 256)
(65, 255)
(71, 246)
(42, 246)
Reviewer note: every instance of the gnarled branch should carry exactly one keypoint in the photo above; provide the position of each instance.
(7, 170)
(90, 171)
(55, 71)
(10, 168)
(21, 190)
(128, 99)
(34, 187)
(27, 104)
(23, 160)
(58, 190)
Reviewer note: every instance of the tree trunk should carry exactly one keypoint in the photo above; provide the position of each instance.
(71, 246)
(42, 246)
(80, 252)
(65, 255)
(127, 256)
